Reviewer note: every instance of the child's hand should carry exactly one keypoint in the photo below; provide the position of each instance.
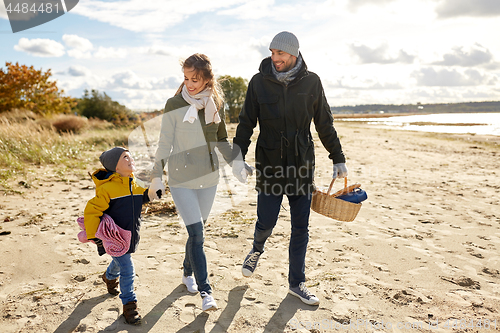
(155, 187)
(100, 247)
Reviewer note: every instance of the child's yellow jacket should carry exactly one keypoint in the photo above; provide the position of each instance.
(119, 197)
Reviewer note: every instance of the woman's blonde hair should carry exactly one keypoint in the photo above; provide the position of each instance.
(203, 70)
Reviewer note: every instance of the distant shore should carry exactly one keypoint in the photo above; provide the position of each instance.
(371, 115)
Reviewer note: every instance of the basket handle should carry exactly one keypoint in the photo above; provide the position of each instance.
(333, 181)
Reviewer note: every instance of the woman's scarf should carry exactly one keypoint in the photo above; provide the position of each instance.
(202, 100)
(287, 77)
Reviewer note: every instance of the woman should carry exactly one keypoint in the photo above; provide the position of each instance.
(192, 126)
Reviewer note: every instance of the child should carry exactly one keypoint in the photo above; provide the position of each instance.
(119, 196)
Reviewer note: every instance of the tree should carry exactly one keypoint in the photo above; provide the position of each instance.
(101, 106)
(235, 89)
(23, 87)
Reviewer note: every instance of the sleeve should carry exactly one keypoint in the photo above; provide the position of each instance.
(142, 189)
(94, 210)
(323, 121)
(165, 142)
(222, 143)
(247, 122)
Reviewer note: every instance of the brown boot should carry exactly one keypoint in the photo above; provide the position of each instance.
(111, 285)
(130, 313)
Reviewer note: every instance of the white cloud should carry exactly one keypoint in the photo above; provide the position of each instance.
(128, 79)
(358, 83)
(261, 46)
(166, 83)
(147, 16)
(77, 70)
(355, 4)
(80, 47)
(252, 10)
(40, 47)
(474, 56)
(452, 77)
(110, 52)
(76, 42)
(477, 8)
(379, 54)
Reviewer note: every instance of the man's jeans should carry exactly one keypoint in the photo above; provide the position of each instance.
(123, 267)
(268, 208)
(194, 206)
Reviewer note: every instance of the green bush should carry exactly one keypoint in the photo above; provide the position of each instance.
(101, 106)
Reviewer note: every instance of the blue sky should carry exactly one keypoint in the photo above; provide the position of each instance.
(365, 51)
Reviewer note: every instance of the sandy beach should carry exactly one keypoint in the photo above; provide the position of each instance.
(421, 256)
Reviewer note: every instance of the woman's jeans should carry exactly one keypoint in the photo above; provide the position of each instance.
(194, 206)
(268, 208)
(123, 267)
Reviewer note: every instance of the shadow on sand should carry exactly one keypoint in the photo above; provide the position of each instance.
(82, 310)
(226, 317)
(285, 312)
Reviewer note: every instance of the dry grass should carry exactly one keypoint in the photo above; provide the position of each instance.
(67, 123)
(27, 141)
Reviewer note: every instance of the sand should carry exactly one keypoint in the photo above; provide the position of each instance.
(422, 254)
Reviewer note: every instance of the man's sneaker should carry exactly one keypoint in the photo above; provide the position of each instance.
(190, 284)
(250, 263)
(304, 294)
(208, 302)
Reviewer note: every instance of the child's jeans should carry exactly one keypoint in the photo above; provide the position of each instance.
(123, 267)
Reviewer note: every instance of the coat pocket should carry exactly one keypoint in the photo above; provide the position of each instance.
(268, 158)
(305, 150)
(269, 107)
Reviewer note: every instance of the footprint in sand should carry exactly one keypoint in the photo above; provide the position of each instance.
(189, 312)
(107, 321)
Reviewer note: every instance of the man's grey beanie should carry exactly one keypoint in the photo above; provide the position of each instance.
(109, 159)
(286, 41)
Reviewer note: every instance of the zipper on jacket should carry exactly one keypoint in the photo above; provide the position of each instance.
(287, 143)
(132, 240)
(296, 142)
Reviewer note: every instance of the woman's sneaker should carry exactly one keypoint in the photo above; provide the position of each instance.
(208, 302)
(190, 284)
(305, 295)
(250, 263)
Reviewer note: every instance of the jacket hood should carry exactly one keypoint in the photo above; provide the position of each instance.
(102, 176)
(266, 70)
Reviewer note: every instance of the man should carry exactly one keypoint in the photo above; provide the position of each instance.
(284, 97)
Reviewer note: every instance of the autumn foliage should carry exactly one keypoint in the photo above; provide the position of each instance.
(23, 87)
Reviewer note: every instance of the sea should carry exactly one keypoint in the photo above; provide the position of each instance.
(456, 123)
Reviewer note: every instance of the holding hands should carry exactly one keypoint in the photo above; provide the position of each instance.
(156, 189)
(241, 170)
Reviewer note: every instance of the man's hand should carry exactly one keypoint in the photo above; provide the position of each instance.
(339, 170)
(156, 189)
(241, 170)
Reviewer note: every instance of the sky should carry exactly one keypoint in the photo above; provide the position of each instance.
(364, 51)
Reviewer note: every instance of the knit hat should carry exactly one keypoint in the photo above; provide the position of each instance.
(109, 158)
(287, 42)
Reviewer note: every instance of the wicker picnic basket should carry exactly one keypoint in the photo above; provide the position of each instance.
(328, 205)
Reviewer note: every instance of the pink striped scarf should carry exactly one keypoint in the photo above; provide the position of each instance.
(116, 241)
